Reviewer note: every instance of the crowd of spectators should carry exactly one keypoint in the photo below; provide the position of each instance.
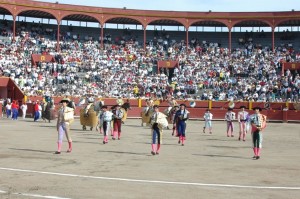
(124, 69)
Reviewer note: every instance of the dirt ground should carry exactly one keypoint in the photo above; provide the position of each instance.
(208, 166)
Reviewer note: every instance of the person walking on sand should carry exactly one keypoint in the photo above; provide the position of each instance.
(105, 123)
(65, 117)
(181, 116)
(158, 121)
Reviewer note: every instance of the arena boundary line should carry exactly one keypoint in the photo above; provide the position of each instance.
(150, 181)
(32, 195)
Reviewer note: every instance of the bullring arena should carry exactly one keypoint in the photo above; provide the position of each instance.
(208, 166)
(205, 60)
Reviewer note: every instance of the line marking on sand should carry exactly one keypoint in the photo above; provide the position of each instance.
(151, 181)
(31, 195)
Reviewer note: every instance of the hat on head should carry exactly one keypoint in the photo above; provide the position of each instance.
(90, 100)
(65, 100)
(67, 94)
(155, 106)
(243, 106)
(183, 105)
(104, 106)
(257, 108)
(230, 109)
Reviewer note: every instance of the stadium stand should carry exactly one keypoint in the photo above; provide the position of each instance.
(247, 66)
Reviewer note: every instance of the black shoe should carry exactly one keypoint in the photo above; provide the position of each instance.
(119, 138)
(257, 157)
(254, 157)
(179, 142)
(157, 153)
(113, 138)
(57, 152)
(103, 142)
(152, 152)
(182, 145)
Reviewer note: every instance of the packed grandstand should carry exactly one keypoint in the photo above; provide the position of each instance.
(121, 64)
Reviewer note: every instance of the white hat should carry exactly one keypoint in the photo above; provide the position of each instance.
(90, 100)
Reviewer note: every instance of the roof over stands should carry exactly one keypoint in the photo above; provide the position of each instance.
(3, 11)
(59, 11)
(37, 14)
(121, 20)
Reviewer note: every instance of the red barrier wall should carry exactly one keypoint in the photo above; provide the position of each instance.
(293, 115)
(275, 113)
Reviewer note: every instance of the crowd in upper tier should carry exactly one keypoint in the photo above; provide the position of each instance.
(124, 69)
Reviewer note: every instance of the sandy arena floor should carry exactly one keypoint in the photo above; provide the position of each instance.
(208, 166)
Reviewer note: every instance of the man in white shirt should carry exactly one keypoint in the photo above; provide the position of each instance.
(8, 109)
(24, 109)
(208, 118)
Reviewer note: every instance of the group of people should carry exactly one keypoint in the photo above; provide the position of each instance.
(110, 122)
(11, 109)
(256, 122)
(41, 109)
(204, 71)
(111, 118)
(158, 121)
(96, 114)
(179, 115)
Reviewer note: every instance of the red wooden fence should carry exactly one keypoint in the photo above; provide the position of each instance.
(275, 111)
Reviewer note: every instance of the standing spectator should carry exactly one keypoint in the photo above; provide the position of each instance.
(208, 118)
(24, 110)
(36, 111)
(40, 107)
(15, 110)
(8, 109)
